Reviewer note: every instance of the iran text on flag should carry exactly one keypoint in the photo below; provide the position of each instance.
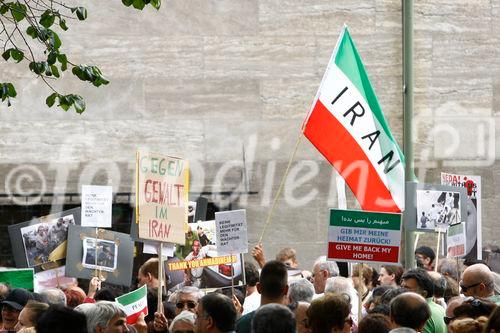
(347, 126)
(134, 303)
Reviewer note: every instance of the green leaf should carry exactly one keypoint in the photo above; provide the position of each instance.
(62, 24)
(32, 31)
(18, 11)
(17, 55)
(51, 99)
(55, 41)
(55, 71)
(11, 91)
(64, 102)
(79, 104)
(63, 60)
(81, 12)
(156, 4)
(4, 9)
(47, 19)
(139, 4)
(6, 54)
(127, 2)
(51, 58)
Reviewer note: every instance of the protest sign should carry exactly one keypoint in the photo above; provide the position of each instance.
(53, 278)
(231, 230)
(152, 248)
(162, 196)
(134, 303)
(199, 264)
(456, 241)
(472, 185)
(360, 236)
(97, 206)
(17, 278)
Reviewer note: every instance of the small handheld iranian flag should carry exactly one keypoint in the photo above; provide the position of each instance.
(347, 126)
(134, 303)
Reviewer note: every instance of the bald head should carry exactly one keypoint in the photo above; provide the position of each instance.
(477, 281)
(409, 310)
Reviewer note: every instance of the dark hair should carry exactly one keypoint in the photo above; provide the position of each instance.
(381, 309)
(61, 319)
(221, 309)
(229, 293)
(451, 289)
(474, 308)
(426, 251)
(374, 323)
(273, 279)
(396, 270)
(494, 321)
(328, 312)
(363, 271)
(423, 279)
(390, 294)
(36, 309)
(106, 294)
(410, 310)
(150, 266)
(251, 274)
(273, 318)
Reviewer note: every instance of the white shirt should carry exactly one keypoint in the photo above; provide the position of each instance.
(251, 303)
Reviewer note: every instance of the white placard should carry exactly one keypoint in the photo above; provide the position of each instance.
(52, 278)
(97, 206)
(231, 231)
(152, 248)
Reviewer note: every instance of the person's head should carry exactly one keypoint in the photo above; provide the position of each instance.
(12, 306)
(301, 317)
(449, 267)
(322, 270)
(390, 275)
(409, 310)
(418, 281)
(187, 299)
(4, 291)
(342, 286)
(493, 325)
(215, 313)
(301, 290)
(184, 322)
(61, 319)
(196, 247)
(468, 325)
(251, 274)
(330, 314)
(474, 308)
(273, 284)
(439, 282)
(477, 281)
(425, 257)
(106, 317)
(148, 273)
(273, 318)
(364, 272)
(30, 313)
(389, 294)
(54, 296)
(288, 256)
(451, 288)
(74, 296)
(377, 293)
(374, 323)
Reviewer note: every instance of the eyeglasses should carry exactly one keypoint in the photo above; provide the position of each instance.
(448, 320)
(465, 288)
(182, 305)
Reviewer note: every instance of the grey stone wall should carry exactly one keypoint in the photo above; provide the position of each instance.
(218, 80)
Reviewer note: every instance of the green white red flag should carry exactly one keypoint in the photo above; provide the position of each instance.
(134, 303)
(347, 126)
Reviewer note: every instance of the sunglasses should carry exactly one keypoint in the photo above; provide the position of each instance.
(465, 288)
(181, 305)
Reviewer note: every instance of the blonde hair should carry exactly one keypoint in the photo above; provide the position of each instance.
(27, 330)
(468, 325)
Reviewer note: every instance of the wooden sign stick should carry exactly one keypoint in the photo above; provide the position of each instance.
(160, 278)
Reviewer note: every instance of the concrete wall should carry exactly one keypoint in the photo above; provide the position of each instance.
(216, 80)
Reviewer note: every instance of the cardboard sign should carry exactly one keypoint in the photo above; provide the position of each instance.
(152, 248)
(231, 228)
(360, 236)
(473, 219)
(456, 241)
(53, 278)
(97, 204)
(18, 278)
(162, 196)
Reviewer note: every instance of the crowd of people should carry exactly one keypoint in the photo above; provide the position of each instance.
(279, 297)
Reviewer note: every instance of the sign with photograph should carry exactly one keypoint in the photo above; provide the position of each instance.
(199, 264)
(162, 197)
(438, 209)
(360, 236)
(456, 241)
(17, 278)
(97, 204)
(473, 220)
(99, 254)
(231, 229)
(53, 278)
(42, 240)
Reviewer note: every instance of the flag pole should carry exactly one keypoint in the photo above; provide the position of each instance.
(409, 238)
(275, 201)
(160, 278)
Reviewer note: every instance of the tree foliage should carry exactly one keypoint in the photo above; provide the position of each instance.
(32, 27)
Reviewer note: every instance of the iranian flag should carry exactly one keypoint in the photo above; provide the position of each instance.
(347, 126)
(134, 303)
